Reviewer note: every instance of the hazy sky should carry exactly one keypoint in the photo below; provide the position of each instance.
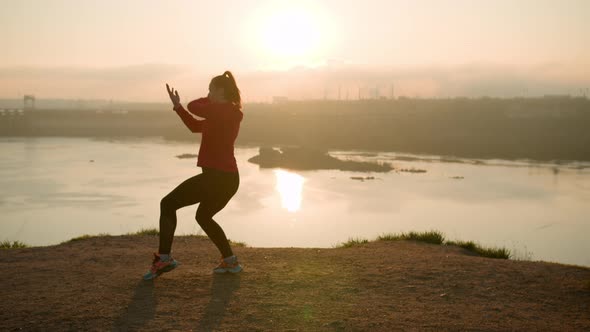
(128, 49)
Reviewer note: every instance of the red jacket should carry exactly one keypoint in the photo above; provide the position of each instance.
(219, 130)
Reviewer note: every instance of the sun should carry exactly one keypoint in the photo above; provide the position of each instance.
(291, 33)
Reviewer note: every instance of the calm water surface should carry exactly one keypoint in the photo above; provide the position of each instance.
(52, 191)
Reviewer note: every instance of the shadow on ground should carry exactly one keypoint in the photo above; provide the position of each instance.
(141, 310)
(222, 289)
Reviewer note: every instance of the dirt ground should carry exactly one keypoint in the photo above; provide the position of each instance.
(95, 285)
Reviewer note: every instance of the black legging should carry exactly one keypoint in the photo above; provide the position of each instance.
(213, 189)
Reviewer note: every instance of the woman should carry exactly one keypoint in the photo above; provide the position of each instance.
(219, 179)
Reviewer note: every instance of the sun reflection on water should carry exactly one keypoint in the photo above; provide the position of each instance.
(289, 186)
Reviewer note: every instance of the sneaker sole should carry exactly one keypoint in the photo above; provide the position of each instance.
(234, 270)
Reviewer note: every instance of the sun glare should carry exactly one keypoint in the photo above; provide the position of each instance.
(291, 33)
(289, 186)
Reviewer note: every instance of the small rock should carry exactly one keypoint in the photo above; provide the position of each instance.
(187, 155)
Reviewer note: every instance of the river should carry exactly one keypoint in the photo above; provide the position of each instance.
(57, 188)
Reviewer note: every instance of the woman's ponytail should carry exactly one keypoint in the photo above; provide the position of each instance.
(228, 83)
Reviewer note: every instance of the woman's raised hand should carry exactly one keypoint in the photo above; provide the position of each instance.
(174, 97)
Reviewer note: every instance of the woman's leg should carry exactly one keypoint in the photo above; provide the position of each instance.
(204, 217)
(189, 192)
(225, 186)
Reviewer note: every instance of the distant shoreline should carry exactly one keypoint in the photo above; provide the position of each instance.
(403, 155)
(542, 129)
(400, 155)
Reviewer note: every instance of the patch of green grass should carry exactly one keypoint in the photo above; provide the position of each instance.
(352, 242)
(469, 245)
(390, 237)
(85, 236)
(493, 252)
(12, 245)
(146, 231)
(434, 237)
(143, 231)
(437, 237)
(237, 243)
(78, 238)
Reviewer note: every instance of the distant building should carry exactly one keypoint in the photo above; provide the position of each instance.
(29, 102)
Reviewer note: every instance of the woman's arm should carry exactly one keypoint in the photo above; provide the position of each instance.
(195, 126)
(201, 107)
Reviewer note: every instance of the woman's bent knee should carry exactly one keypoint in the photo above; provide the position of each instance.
(203, 217)
(167, 204)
